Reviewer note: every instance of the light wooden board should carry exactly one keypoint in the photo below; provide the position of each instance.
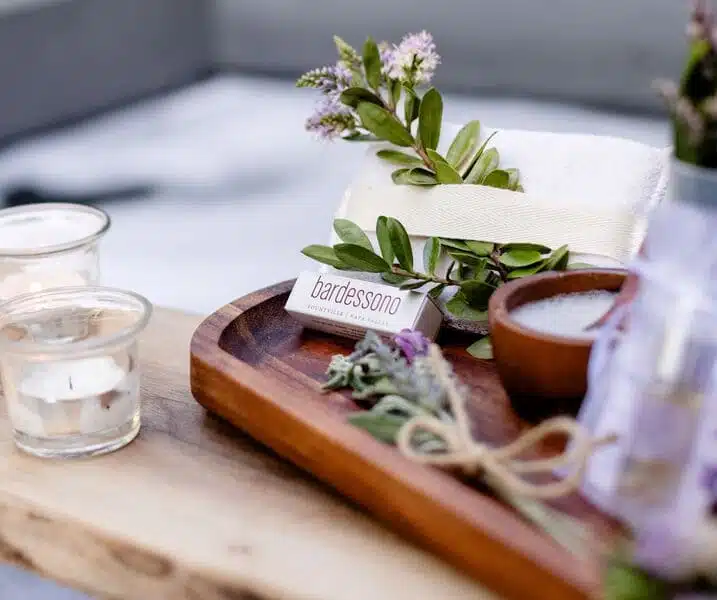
(195, 510)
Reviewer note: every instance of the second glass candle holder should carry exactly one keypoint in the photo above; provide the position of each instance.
(70, 372)
(47, 246)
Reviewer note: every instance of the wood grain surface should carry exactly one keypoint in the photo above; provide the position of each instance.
(258, 368)
(195, 510)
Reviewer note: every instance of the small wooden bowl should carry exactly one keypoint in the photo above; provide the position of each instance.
(538, 365)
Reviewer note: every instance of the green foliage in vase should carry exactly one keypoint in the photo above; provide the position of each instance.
(693, 101)
(374, 96)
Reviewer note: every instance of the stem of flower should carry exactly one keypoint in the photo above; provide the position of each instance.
(423, 276)
(424, 157)
(417, 147)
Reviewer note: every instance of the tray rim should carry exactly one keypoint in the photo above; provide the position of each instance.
(527, 558)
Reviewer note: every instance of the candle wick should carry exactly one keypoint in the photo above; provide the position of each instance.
(70, 380)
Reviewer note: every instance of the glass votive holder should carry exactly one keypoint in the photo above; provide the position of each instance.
(46, 246)
(70, 372)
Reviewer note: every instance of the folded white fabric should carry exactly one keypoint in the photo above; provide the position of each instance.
(587, 191)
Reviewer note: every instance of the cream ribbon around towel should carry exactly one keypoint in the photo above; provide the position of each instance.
(476, 212)
(589, 192)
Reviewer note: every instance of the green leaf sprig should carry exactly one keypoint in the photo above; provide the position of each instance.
(374, 96)
(475, 271)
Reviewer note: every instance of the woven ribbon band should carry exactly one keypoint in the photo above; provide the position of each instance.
(477, 212)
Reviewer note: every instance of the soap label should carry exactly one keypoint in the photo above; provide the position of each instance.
(349, 307)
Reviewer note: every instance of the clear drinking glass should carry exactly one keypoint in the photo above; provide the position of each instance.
(70, 372)
(45, 246)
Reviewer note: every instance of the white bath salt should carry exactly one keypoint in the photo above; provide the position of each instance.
(566, 315)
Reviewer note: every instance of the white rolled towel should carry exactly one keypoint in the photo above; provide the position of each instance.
(587, 191)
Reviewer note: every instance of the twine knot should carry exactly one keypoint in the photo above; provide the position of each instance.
(502, 464)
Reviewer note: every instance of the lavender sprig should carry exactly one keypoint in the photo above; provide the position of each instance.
(331, 119)
(378, 368)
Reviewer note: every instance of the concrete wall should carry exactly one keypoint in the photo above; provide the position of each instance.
(63, 59)
(593, 51)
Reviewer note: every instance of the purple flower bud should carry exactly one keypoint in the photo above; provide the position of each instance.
(412, 343)
(331, 119)
(386, 52)
(328, 80)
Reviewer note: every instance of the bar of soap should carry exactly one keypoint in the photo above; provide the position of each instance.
(350, 307)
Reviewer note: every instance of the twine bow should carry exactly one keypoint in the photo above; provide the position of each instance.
(501, 465)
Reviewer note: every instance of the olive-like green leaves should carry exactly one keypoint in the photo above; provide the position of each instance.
(351, 233)
(497, 179)
(470, 164)
(394, 278)
(525, 246)
(459, 307)
(488, 161)
(457, 244)
(558, 260)
(354, 95)
(482, 349)
(445, 173)
(482, 248)
(399, 158)
(360, 258)
(430, 116)
(400, 243)
(525, 271)
(477, 293)
(464, 146)
(372, 63)
(513, 179)
(477, 268)
(431, 254)
(577, 266)
(411, 106)
(323, 254)
(383, 124)
(467, 258)
(437, 291)
(520, 258)
(414, 176)
(384, 240)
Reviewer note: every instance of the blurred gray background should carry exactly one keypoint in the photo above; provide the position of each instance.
(193, 100)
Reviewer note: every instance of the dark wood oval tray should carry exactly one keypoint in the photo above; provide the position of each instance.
(256, 367)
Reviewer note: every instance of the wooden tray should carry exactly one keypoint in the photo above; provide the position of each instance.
(253, 365)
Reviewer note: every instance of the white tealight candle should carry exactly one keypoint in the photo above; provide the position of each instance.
(78, 396)
(69, 360)
(72, 379)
